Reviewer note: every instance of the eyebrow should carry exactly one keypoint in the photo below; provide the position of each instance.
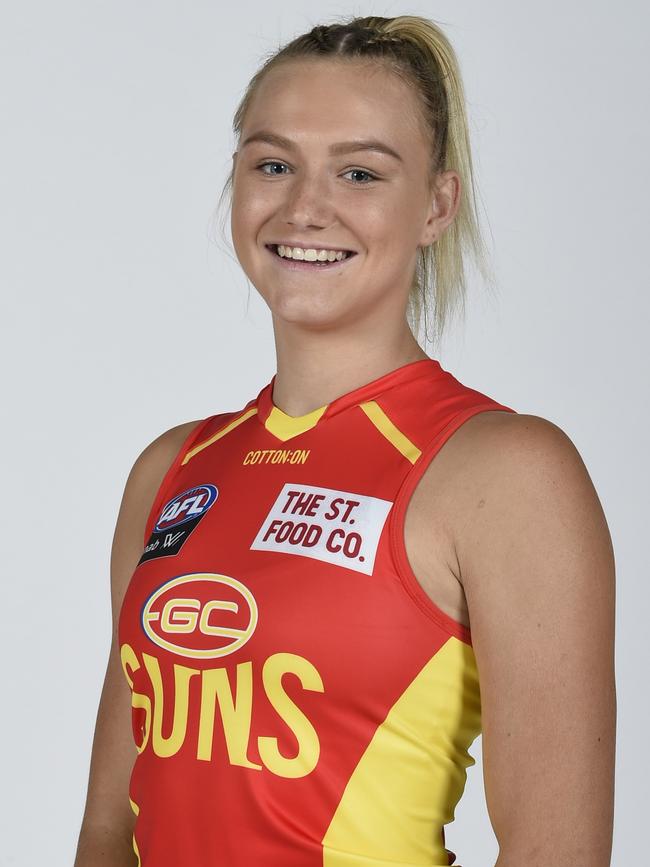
(337, 149)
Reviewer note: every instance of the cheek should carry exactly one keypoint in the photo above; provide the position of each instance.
(249, 204)
(237, 230)
(390, 246)
(245, 223)
(384, 224)
(401, 234)
(244, 211)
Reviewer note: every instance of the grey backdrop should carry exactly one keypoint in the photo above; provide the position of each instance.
(120, 319)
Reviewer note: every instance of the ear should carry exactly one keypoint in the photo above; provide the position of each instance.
(445, 201)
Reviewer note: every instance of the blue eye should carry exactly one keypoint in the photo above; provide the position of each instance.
(369, 175)
(261, 166)
(363, 172)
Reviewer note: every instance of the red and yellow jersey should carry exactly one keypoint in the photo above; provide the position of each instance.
(297, 698)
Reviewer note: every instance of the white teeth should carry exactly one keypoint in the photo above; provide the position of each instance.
(311, 254)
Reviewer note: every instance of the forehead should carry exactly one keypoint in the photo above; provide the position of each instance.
(320, 101)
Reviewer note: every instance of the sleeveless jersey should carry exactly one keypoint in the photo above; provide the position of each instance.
(297, 698)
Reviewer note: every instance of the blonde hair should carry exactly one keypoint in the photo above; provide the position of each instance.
(419, 52)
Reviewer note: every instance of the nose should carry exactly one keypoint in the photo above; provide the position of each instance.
(308, 202)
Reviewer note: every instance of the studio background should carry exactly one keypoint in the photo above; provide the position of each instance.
(123, 316)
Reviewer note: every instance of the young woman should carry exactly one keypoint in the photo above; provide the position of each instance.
(313, 619)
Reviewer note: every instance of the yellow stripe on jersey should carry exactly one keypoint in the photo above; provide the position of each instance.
(386, 427)
(217, 436)
(414, 766)
(285, 426)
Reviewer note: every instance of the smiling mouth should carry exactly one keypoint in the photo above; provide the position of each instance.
(305, 264)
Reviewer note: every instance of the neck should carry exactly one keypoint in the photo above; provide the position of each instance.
(314, 370)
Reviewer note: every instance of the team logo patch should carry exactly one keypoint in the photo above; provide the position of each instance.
(335, 526)
(201, 615)
(177, 520)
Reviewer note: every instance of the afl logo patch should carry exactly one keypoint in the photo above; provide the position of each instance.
(200, 615)
(178, 518)
(186, 506)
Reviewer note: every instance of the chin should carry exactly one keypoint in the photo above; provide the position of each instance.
(297, 308)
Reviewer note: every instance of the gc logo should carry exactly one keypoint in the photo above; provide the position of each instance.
(200, 615)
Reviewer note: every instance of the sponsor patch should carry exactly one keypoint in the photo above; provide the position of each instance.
(338, 527)
(177, 520)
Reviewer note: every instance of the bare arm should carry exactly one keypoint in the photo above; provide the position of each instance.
(538, 571)
(105, 838)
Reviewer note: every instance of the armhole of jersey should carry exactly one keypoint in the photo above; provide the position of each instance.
(171, 472)
(398, 513)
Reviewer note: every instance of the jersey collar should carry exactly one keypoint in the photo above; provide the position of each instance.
(285, 427)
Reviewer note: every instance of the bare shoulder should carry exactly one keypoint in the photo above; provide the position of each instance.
(487, 461)
(150, 468)
(452, 488)
(512, 467)
(147, 473)
(160, 452)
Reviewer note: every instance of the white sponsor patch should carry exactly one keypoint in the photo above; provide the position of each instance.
(336, 526)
